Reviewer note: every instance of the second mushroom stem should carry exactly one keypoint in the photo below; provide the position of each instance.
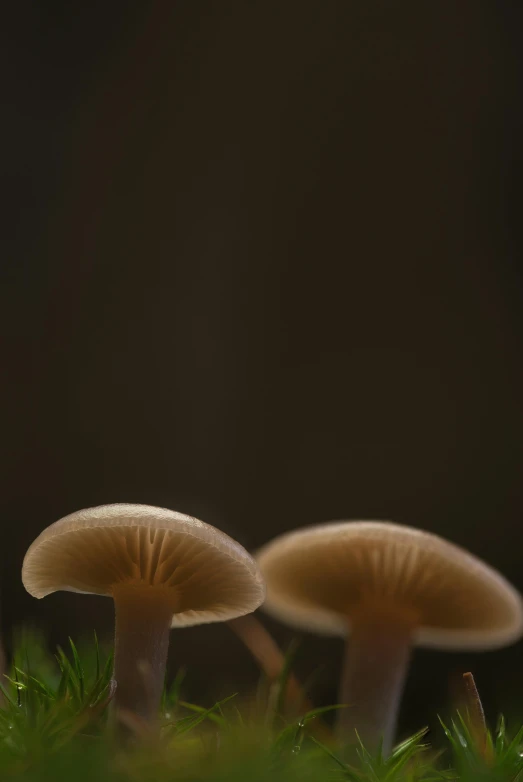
(375, 667)
(143, 622)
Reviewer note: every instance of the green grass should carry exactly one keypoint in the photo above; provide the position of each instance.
(56, 724)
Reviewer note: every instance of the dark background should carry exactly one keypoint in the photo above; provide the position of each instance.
(261, 266)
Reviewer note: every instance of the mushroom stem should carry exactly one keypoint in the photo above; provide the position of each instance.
(269, 657)
(376, 661)
(143, 622)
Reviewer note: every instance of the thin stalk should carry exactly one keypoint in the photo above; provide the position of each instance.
(476, 718)
(143, 621)
(269, 657)
(376, 662)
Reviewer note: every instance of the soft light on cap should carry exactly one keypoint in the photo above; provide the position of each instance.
(212, 578)
(318, 576)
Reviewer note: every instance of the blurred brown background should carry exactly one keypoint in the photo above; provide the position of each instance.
(261, 266)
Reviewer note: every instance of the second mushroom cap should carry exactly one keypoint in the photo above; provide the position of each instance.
(317, 576)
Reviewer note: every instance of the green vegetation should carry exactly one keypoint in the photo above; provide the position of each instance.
(56, 724)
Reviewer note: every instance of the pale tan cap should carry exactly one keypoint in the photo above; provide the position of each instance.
(94, 550)
(317, 576)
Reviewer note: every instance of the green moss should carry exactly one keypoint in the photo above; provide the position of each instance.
(55, 725)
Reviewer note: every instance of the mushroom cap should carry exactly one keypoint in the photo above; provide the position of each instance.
(317, 577)
(95, 550)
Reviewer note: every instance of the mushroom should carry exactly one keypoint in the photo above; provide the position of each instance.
(262, 646)
(390, 587)
(161, 568)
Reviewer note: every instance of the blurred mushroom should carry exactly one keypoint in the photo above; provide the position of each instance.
(161, 568)
(270, 658)
(390, 587)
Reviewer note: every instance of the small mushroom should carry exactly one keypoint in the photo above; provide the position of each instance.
(390, 587)
(161, 568)
(262, 646)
